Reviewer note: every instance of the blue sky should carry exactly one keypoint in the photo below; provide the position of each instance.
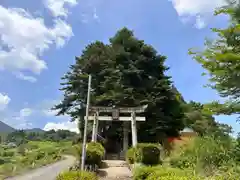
(39, 40)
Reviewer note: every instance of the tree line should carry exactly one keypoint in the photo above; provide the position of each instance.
(21, 137)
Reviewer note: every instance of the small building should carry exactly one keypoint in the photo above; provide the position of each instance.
(185, 135)
(11, 145)
(188, 132)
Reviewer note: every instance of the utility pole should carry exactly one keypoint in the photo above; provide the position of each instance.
(85, 125)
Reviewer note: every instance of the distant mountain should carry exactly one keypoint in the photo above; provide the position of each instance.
(4, 128)
(36, 130)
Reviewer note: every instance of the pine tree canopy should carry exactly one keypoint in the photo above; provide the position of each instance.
(125, 73)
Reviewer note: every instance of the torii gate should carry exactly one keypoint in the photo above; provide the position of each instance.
(95, 111)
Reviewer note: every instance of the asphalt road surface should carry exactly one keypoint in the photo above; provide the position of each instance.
(49, 172)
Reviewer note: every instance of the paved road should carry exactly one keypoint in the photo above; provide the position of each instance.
(48, 172)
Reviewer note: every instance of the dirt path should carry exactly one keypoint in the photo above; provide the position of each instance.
(115, 170)
(49, 172)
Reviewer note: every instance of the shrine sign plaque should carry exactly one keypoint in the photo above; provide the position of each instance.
(115, 114)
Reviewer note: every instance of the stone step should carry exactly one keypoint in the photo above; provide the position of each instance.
(115, 173)
(115, 163)
(120, 156)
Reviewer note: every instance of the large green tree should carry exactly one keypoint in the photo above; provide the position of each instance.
(221, 60)
(202, 122)
(126, 72)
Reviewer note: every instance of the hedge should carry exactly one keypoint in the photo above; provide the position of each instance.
(172, 174)
(173, 177)
(145, 153)
(142, 172)
(7, 153)
(96, 145)
(94, 153)
(162, 173)
(167, 173)
(77, 175)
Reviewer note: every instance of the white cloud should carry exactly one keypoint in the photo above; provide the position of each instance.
(25, 118)
(20, 119)
(25, 112)
(199, 9)
(199, 23)
(64, 124)
(95, 15)
(21, 76)
(89, 14)
(24, 38)
(71, 126)
(46, 107)
(4, 101)
(57, 7)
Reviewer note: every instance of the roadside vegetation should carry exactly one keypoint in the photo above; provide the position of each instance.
(94, 155)
(207, 157)
(21, 150)
(17, 160)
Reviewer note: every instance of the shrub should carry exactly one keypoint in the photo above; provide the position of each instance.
(30, 146)
(205, 153)
(7, 169)
(39, 155)
(163, 173)
(142, 172)
(77, 150)
(2, 161)
(96, 145)
(51, 151)
(148, 154)
(71, 150)
(130, 156)
(227, 173)
(35, 155)
(77, 175)
(7, 153)
(21, 150)
(172, 177)
(172, 174)
(94, 153)
(226, 177)
(27, 160)
(183, 162)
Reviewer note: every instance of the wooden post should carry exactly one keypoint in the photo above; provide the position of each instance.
(94, 128)
(134, 129)
(85, 125)
(97, 124)
(125, 137)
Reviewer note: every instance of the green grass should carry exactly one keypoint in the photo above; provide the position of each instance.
(213, 158)
(29, 156)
